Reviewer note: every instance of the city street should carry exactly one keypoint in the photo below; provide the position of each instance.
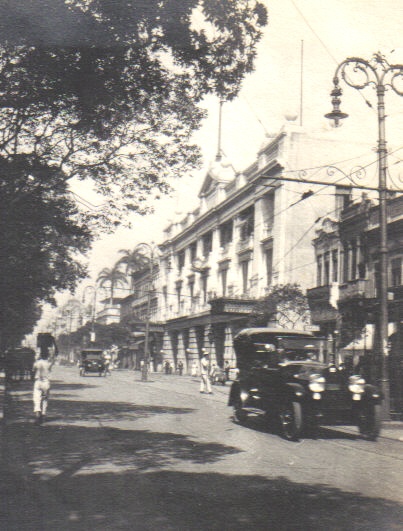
(118, 453)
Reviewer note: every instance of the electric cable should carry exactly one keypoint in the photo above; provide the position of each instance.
(369, 104)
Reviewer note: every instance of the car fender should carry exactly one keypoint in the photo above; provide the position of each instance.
(372, 393)
(295, 391)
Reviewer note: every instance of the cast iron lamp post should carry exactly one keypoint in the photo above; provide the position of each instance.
(151, 251)
(359, 73)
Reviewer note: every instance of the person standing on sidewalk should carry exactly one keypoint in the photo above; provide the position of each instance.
(205, 385)
(42, 368)
(180, 367)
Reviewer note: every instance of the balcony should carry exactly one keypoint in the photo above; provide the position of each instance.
(359, 288)
(245, 244)
(239, 305)
(320, 293)
(109, 315)
(267, 233)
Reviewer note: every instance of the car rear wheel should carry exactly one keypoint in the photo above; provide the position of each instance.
(369, 421)
(240, 414)
(291, 421)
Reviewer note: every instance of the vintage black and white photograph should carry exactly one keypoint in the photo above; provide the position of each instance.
(201, 265)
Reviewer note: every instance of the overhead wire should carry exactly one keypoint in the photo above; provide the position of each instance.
(368, 103)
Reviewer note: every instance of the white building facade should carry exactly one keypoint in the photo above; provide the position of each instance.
(252, 230)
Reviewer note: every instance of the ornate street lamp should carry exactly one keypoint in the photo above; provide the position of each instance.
(359, 73)
(151, 249)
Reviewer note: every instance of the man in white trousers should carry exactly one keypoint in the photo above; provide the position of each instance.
(42, 368)
(205, 385)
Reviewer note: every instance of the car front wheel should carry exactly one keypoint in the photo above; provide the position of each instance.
(291, 421)
(369, 421)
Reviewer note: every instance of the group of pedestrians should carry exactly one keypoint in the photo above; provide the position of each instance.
(168, 369)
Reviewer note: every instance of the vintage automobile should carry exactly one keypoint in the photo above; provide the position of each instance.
(92, 361)
(284, 374)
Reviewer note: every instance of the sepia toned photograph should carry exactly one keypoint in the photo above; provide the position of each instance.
(201, 265)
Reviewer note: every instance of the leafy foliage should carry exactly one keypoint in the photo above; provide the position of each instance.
(285, 304)
(109, 90)
(113, 277)
(106, 336)
(355, 314)
(105, 91)
(134, 260)
(41, 237)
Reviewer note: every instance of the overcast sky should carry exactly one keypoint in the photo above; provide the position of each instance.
(331, 31)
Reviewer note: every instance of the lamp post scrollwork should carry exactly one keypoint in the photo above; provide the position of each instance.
(361, 73)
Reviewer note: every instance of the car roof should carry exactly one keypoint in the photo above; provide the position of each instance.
(92, 351)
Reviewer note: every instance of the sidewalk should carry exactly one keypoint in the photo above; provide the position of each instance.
(390, 429)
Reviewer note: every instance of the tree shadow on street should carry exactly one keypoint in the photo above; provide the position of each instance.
(26, 386)
(177, 500)
(75, 477)
(72, 411)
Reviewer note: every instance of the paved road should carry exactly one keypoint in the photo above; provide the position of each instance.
(118, 453)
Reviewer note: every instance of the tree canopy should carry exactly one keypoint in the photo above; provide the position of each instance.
(109, 90)
(284, 304)
(106, 91)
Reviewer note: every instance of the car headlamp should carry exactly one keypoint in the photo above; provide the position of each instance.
(244, 396)
(317, 383)
(356, 384)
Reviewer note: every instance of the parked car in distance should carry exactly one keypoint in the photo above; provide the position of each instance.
(284, 374)
(92, 361)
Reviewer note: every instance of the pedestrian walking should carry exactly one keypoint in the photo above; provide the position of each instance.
(107, 362)
(42, 367)
(205, 385)
(167, 366)
(194, 369)
(213, 373)
(226, 370)
(180, 367)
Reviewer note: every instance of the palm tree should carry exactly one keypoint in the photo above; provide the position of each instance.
(134, 260)
(113, 276)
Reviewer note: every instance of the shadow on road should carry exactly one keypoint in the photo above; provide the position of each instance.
(75, 477)
(172, 500)
(261, 424)
(71, 411)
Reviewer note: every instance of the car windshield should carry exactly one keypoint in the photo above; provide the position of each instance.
(268, 350)
(91, 355)
(294, 349)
